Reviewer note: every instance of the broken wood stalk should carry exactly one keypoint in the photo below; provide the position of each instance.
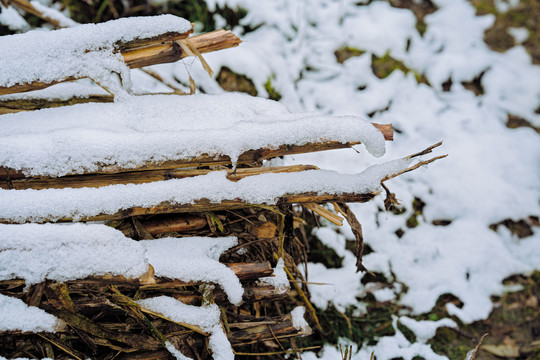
(153, 51)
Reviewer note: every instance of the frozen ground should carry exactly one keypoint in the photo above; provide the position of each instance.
(492, 172)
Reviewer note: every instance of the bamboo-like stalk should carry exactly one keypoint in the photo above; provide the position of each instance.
(252, 293)
(172, 51)
(139, 177)
(152, 51)
(244, 271)
(204, 205)
(251, 157)
(175, 223)
(265, 331)
(327, 214)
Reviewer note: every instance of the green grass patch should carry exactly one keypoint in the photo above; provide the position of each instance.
(273, 94)
(346, 52)
(385, 65)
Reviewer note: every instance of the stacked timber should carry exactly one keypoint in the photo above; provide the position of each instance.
(153, 227)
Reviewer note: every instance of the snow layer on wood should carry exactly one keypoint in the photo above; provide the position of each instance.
(195, 259)
(67, 252)
(142, 129)
(56, 204)
(279, 281)
(80, 51)
(207, 317)
(298, 320)
(16, 315)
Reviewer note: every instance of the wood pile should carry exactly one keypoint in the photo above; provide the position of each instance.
(102, 317)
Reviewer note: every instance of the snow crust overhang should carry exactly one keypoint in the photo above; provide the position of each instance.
(166, 132)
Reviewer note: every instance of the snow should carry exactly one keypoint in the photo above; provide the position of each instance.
(387, 348)
(195, 259)
(67, 252)
(51, 13)
(207, 317)
(298, 320)
(505, 5)
(55, 204)
(177, 354)
(16, 315)
(425, 330)
(82, 137)
(62, 252)
(12, 19)
(279, 281)
(520, 34)
(80, 51)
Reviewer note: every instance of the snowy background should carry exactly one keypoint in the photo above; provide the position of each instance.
(492, 172)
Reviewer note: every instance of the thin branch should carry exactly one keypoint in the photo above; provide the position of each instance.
(425, 151)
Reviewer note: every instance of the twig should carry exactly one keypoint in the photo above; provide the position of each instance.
(278, 352)
(158, 77)
(425, 151)
(414, 167)
(471, 355)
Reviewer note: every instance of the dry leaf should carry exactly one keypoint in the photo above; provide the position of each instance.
(265, 231)
(532, 301)
(509, 351)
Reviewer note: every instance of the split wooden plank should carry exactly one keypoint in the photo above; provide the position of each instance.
(172, 51)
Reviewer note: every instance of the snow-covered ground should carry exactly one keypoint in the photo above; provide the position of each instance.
(492, 172)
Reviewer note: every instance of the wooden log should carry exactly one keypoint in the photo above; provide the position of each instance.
(152, 51)
(251, 157)
(138, 177)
